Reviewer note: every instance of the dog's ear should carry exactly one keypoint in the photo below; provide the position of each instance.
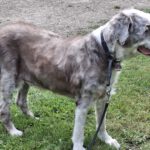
(124, 27)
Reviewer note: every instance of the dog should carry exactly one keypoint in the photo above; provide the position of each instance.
(75, 67)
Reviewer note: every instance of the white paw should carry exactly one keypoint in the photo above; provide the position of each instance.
(78, 147)
(109, 140)
(113, 91)
(15, 132)
(114, 143)
(30, 114)
(37, 118)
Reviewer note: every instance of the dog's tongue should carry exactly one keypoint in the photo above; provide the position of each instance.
(144, 50)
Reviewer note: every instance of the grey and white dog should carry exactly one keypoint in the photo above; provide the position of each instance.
(75, 67)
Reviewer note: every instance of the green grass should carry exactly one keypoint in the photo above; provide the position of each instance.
(128, 117)
(147, 10)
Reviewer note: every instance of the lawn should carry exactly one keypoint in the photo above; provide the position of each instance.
(128, 117)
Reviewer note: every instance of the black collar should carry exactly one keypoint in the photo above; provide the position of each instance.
(105, 47)
(116, 62)
(112, 62)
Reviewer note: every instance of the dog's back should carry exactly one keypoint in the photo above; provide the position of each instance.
(23, 47)
(37, 56)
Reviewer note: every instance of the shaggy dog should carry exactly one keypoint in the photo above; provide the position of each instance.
(75, 67)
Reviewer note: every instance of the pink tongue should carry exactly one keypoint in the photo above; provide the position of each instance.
(144, 51)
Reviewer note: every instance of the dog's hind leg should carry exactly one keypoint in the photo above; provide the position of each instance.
(7, 87)
(103, 135)
(22, 100)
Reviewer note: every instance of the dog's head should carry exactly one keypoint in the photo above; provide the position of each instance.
(131, 28)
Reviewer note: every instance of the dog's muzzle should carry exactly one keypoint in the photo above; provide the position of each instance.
(144, 50)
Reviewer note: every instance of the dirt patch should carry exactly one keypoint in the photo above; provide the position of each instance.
(66, 17)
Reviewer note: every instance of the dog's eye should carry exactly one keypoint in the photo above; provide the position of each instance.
(147, 28)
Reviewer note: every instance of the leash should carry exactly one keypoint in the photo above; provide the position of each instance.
(109, 74)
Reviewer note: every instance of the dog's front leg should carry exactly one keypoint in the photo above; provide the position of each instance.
(103, 135)
(80, 118)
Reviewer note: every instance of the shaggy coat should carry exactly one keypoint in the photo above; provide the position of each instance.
(44, 59)
(75, 67)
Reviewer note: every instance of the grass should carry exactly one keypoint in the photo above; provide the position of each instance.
(128, 116)
(147, 10)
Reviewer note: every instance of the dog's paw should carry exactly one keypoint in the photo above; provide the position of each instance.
(114, 143)
(15, 132)
(78, 147)
(30, 114)
(113, 91)
(109, 140)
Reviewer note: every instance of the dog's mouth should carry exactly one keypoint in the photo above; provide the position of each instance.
(144, 50)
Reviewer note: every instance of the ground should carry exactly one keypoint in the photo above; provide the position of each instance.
(66, 17)
(129, 113)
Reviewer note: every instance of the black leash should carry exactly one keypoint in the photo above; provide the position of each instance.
(110, 59)
(109, 74)
(100, 123)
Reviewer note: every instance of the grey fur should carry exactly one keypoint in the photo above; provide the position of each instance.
(75, 67)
